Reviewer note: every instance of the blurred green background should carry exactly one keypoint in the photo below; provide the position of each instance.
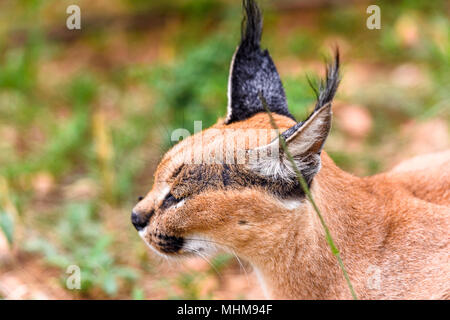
(85, 116)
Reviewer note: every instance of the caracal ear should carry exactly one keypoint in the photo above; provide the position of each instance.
(304, 140)
(307, 138)
(252, 71)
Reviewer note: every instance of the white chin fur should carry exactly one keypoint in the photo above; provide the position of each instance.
(142, 235)
(194, 244)
(199, 245)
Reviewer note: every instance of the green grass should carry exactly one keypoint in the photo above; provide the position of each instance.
(83, 242)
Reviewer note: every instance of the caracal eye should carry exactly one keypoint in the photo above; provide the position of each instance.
(170, 200)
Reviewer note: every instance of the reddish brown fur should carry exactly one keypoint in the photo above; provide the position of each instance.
(395, 225)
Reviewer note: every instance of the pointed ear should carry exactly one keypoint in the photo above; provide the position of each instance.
(304, 141)
(309, 137)
(252, 71)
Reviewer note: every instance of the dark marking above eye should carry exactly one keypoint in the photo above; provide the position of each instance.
(197, 178)
(176, 172)
(225, 175)
(242, 222)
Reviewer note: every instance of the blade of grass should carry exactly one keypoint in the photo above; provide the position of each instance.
(309, 196)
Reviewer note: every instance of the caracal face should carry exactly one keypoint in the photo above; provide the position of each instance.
(197, 196)
(232, 186)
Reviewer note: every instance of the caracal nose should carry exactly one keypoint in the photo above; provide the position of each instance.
(139, 221)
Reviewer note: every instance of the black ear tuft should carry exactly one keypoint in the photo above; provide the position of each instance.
(325, 93)
(327, 89)
(253, 72)
(251, 30)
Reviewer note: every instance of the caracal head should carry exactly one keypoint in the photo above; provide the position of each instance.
(232, 186)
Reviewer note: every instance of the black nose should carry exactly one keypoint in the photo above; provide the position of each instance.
(139, 221)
